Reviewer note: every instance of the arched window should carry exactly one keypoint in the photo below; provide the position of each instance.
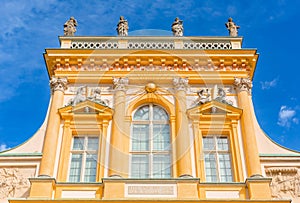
(150, 143)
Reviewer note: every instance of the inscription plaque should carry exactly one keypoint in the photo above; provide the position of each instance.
(151, 190)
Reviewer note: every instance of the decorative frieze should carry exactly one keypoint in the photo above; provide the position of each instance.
(285, 182)
(243, 84)
(180, 84)
(13, 182)
(105, 67)
(58, 84)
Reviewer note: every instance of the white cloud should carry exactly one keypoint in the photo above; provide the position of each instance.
(268, 84)
(286, 117)
(3, 147)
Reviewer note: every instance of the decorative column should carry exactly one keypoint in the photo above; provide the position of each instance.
(118, 160)
(67, 143)
(58, 86)
(243, 87)
(103, 148)
(182, 140)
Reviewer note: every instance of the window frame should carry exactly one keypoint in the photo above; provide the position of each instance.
(151, 152)
(84, 152)
(216, 153)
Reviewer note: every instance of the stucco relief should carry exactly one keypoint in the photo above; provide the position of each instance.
(14, 182)
(285, 182)
(216, 93)
(83, 93)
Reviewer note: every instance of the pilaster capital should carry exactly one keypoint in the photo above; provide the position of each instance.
(180, 84)
(120, 83)
(243, 84)
(58, 84)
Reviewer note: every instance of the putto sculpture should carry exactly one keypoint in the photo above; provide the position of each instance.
(232, 28)
(122, 27)
(70, 27)
(177, 27)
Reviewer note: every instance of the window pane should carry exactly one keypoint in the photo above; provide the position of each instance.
(208, 143)
(159, 114)
(90, 168)
(140, 137)
(161, 137)
(222, 143)
(142, 113)
(93, 143)
(161, 166)
(210, 168)
(225, 168)
(140, 166)
(78, 143)
(75, 168)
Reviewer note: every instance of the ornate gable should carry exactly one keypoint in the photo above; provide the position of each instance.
(86, 109)
(214, 109)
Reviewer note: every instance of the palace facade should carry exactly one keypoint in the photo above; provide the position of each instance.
(150, 119)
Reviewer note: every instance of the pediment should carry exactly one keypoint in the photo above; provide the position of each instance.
(86, 107)
(214, 108)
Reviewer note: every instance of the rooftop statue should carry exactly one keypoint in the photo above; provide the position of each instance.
(232, 28)
(70, 27)
(177, 27)
(122, 27)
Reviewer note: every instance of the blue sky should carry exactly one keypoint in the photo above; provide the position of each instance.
(30, 26)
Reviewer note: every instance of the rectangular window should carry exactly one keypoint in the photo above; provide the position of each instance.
(84, 157)
(140, 166)
(140, 140)
(217, 159)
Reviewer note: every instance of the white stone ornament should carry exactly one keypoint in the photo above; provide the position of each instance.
(58, 84)
(181, 84)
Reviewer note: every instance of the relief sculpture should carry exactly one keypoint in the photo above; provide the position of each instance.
(13, 183)
(285, 182)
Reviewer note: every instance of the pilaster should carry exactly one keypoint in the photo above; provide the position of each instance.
(118, 157)
(183, 144)
(58, 86)
(103, 153)
(243, 87)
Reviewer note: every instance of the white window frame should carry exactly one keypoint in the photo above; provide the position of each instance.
(84, 153)
(217, 152)
(151, 150)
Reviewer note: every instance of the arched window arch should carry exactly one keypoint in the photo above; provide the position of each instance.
(150, 143)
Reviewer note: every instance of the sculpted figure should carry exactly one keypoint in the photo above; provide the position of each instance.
(96, 96)
(122, 27)
(232, 28)
(70, 27)
(177, 27)
(79, 97)
(204, 96)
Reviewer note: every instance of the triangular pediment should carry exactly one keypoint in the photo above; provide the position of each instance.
(86, 107)
(214, 108)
